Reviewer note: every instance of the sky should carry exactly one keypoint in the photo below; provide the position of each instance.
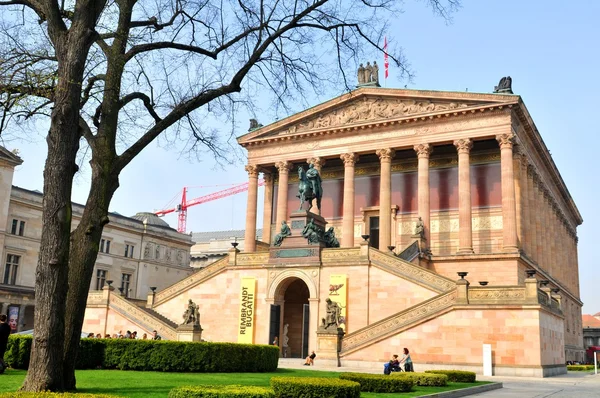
(549, 48)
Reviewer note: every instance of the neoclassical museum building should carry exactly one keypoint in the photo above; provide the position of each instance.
(456, 231)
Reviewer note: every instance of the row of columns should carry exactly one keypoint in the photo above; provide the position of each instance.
(509, 203)
(544, 233)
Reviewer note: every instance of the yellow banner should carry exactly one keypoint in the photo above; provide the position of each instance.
(246, 318)
(338, 293)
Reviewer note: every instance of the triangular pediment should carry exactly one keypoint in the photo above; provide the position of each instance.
(373, 106)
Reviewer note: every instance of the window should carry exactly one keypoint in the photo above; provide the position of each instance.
(10, 271)
(105, 246)
(18, 227)
(125, 279)
(100, 279)
(129, 251)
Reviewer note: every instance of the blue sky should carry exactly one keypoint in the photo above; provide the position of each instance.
(550, 48)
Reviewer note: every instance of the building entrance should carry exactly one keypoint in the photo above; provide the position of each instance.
(292, 308)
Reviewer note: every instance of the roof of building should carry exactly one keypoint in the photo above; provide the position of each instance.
(598, 314)
(590, 321)
(9, 156)
(199, 237)
(150, 219)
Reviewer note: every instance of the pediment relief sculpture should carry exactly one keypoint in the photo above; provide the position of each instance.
(370, 109)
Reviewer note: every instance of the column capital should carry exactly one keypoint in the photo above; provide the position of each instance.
(385, 154)
(267, 177)
(349, 159)
(423, 150)
(531, 170)
(318, 162)
(283, 166)
(506, 140)
(463, 145)
(252, 170)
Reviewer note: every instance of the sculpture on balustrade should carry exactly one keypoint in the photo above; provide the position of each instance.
(333, 315)
(191, 314)
(420, 228)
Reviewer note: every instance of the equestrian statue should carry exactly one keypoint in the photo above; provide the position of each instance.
(309, 187)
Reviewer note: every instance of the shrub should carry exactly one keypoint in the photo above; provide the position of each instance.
(424, 379)
(18, 351)
(580, 368)
(379, 383)
(458, 376)
(314, 387)
(52, 395)
(221, 392)
(165, 356)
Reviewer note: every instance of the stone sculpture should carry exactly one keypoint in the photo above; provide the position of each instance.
(147, 250)
(420, 228)
(361, 74)
(157, 252)
(283, 233)
(375, 73)
(333, 314)
(330, 239)
(505, 86)
(285, 340)
(191, 314)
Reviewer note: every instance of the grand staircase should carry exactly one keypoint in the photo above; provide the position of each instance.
(145, 317)
(410, 317)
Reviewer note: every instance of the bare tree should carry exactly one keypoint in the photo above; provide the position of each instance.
(117, 74)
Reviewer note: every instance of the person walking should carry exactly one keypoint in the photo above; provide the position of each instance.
(4, 333)
(408, 365)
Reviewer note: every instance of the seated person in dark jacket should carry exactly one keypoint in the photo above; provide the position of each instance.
(392, 366)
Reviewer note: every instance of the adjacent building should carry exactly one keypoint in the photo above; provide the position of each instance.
(136, 253)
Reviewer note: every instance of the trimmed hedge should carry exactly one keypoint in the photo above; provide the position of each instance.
(379, 383)
(52, 395)
(424, 379)
(314, 387)
(457, 376)
(164, 356)
(229, 391)
(580, 368)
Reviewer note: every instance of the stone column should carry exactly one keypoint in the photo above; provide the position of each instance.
(423, 153)
(509, 221)
(385, 197)
(525, 209)
(318, 163)
(282, 191)
(250, 233)
(465, 233)
(268, 208)
(519, 188)
(545, 232)
(350, 160)
(532, 231)
(539, 203)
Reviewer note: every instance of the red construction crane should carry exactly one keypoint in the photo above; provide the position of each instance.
(183, 206)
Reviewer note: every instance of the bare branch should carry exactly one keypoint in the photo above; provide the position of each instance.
(147, 103)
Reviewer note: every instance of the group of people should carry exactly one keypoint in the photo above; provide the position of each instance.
(128, 335)
(394, 365)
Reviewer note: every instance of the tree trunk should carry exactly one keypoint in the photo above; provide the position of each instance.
(84, 251)
(45, 368)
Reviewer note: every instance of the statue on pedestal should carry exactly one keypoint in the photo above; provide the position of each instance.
(330, 239)
(420, 228)
(309, 187)
(285, 340)
(191, 314)
(312, 232)
(283, 233)
(333, 314)
(505, 86)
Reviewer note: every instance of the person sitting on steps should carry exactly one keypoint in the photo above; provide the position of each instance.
(310, 360)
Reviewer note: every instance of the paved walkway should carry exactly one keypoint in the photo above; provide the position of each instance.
(571, 385)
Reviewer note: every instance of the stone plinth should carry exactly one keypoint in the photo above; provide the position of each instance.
(189, 332)
(329, 344)
(296, 248)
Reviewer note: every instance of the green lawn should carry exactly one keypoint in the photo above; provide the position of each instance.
(157, 384)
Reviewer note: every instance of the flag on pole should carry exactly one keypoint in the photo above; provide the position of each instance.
(386, 62)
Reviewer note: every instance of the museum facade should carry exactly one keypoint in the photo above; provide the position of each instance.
(419, 187)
